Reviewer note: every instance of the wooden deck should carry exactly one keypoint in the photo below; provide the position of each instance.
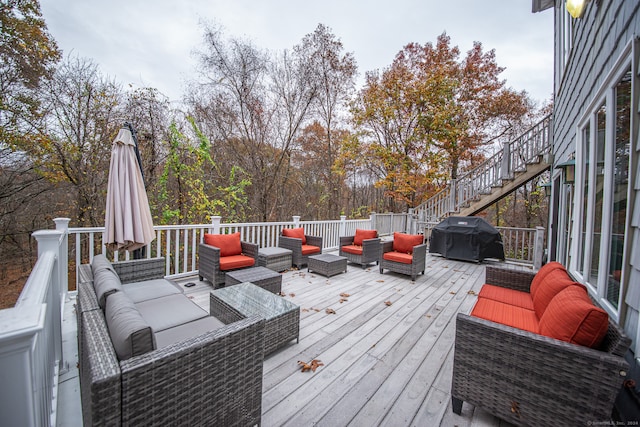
(387, 351)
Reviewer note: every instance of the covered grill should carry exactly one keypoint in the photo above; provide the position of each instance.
(466, 238)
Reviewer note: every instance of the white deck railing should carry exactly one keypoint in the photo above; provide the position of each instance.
(178, 244)
(31, 356)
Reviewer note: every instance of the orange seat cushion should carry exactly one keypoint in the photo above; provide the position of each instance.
(572, 317)
(352, 249)
(229, 244)
(233, 262)
(554, 282)
(505, 314)
(363, 235)
(310, 249)
(398, 257)
(405, 242)
(297, 233)
(542, 273)
(507, 296)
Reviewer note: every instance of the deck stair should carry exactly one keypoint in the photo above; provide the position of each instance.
(517, 163)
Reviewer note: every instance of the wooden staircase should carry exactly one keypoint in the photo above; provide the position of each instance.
(520, 161)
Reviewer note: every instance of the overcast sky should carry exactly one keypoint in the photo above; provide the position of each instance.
(151, 43)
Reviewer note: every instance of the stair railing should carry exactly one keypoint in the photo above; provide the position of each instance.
(469, 186)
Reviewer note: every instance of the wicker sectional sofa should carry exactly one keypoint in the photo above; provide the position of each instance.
(536, 350)
(150, 356)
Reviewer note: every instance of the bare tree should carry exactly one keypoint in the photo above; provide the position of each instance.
(85, 115)
(334, 76)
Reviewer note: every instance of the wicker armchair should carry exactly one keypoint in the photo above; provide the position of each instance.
(530, 379)
(300, 252)
(417, 265)
(369, 251)
(209, 266)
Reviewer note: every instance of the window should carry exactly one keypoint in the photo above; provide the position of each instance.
(604, 157)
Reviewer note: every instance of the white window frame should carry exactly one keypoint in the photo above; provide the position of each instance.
(606, 95)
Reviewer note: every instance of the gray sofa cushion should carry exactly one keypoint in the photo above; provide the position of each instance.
(100, 262)
(105, 283)
(186, 331)
(170, 311)
(130, 334)
(150, 289)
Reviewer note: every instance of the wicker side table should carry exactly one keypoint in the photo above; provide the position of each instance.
(282, 317)
(259, 276)
(327, 264)
(277, 259)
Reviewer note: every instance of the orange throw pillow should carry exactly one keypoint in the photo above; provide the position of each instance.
(404, 243)
(554, 282)
(364, 235)
(542, 273)
(572, 317)
(229, 244)
(297, 233)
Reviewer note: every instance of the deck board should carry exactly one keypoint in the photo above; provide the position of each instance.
(387, 350)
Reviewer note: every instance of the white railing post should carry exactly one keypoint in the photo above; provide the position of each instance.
(296, 221)
(215, 224)
(62, 225)
(538, 250)
(343, 226)
(49, 241)
(372, 222)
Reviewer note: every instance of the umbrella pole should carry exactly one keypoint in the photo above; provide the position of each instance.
(141, 252)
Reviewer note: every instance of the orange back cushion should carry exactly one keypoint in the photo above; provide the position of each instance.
(404, 243)
(229, 244)
(554, 282)
(364, 235)
(298, 233)
(572, 317)
(542, 273)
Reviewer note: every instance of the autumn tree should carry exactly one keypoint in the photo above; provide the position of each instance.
(430, 114)
(334, 74)
(28, 55)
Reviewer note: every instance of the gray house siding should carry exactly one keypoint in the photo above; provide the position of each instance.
(599, 39)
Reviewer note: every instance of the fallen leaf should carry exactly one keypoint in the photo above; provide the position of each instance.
(311, 366)
(452, 293)
(379, 281)
(428, 316)
(388, 302)
(305, 310)
(292, 295)
(343, 300)
(471, 292)
(345, 295)
(282, 294)
(330, 311)
(316, 310)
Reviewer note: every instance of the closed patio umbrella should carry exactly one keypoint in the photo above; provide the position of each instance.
(128, 222)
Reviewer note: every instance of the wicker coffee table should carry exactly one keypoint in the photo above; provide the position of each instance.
(282, 317)
(259, 276)
(327, 264)
(277, 259)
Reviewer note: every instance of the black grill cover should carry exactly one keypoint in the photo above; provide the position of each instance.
(467, 238)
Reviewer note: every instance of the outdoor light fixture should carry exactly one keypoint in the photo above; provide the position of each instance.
(576, 7)
(547, 189)
(569, 170)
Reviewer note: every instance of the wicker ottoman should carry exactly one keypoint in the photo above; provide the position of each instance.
(277, 259)
(259, 276)
(327, 264)
(282, 317)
